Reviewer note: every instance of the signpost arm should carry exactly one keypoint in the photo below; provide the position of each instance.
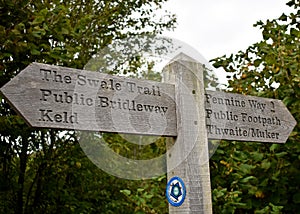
(191, 161)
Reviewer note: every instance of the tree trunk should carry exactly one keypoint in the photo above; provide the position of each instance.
(21, 179)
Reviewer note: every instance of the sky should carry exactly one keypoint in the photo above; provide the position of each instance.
(218, 27)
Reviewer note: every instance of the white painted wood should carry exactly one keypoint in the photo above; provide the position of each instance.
(188, 155)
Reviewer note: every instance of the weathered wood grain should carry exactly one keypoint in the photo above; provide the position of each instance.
(58, 97)
(187, 156)
(64, 98)
(246, 118)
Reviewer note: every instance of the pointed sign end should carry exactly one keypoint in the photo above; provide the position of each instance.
(183, 57)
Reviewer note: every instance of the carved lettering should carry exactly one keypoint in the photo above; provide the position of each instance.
(221, 115)
(257, 105)
(107, 84)
(232, 101)
(261, 120)
(66, 97)
(241, 132)
(47, 115)
(134, 88)
(257, 133)
(51, 75)
(131, 105)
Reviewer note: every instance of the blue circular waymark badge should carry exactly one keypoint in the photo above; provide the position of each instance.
(175, 191)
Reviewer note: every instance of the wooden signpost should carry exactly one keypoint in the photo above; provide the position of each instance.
(57, 97)
(246, 118)
(193, 168)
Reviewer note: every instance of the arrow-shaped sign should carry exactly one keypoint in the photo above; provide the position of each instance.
(65, 98)
(247, 118)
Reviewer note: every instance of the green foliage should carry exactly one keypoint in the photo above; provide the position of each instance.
(45, 171)
(263, 178)
(146, 197)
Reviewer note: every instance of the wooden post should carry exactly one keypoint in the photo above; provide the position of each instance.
(187, 155)
(48, 96)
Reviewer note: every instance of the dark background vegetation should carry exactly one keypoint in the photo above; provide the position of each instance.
(45, 171)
